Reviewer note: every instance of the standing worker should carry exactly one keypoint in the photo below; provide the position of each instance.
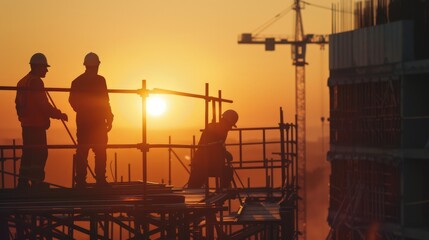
(209, 159)
(34, 112)
(90, 100)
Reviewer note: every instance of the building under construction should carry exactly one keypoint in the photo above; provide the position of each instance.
(263, 207)
(379, 120)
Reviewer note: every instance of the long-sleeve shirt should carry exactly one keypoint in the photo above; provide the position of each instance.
(90, 100)
(211, 152)
(32, 105)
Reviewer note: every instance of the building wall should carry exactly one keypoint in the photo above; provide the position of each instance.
(415, 110)
(366, 114)
(365, 190)
(416, 193)
(389, 43)
(379, 129)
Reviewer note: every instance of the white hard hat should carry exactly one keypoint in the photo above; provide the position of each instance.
(39, 59)
(91, 59)
(230, 116)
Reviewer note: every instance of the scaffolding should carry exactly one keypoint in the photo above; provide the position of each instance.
(140, 209)
(366, 114)
(378, 123)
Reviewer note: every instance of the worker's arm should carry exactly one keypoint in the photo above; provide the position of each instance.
(41, 100)
(106, 106)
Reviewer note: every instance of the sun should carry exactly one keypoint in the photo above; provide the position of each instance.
(155, 106)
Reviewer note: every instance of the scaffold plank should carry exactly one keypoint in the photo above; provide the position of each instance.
(259, 212)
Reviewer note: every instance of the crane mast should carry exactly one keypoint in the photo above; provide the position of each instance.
(298, 52)
(298, 57)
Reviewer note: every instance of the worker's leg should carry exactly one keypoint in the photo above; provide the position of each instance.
(226, 178)
(100, 162)
(198, 174)
(196, 179)
(27, 154)
(35, 154)
(40, 156)
(81, 163)
(99, 149)
(81, 156)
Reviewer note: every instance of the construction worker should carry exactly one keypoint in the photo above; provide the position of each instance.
(34, 112)
(90, 100)
(209, 159)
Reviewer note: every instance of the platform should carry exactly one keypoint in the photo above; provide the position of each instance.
(158, 210)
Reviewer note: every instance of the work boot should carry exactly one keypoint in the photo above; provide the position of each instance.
(39, 186)
(102, 183)
(81, 185)
(23, 184)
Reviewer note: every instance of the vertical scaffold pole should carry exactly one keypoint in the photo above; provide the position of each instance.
(206, 123)
(282, 147)
(219, 94)
(144, 138)
(116, 167)
(2, 169)
(206, 106)
(169, 160)
(14, 163)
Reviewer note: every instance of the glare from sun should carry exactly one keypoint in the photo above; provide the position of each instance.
(155, 106)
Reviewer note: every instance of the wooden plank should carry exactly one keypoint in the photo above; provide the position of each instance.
(259, 211)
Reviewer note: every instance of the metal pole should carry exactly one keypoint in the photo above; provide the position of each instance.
(240, 140)
(116, 167)
(71, 136)
(129, 172)
(169, 161)
(272, 172)
(282, 148)
(205, 126)
(2, 168)
(213, 111)
(14, 163)
(144, 138)
(68, 131)
(220, 103)
(206, 106)
(297, 226)
(267, 180)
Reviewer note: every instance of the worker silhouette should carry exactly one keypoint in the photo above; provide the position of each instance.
(90, 100)
(209, 158)
(34, 112)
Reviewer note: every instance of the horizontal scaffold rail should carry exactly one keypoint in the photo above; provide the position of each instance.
(136, 91)
(111, 146)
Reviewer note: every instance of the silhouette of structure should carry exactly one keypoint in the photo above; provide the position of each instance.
(379, 120)
(298, 51)
(139, 209)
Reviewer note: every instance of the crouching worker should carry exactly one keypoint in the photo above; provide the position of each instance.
(211, 158)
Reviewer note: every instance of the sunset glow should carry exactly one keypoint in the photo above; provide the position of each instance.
(155, 106)
(182, 46)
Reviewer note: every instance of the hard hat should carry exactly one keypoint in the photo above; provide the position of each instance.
(39, 59)
(230, 116)
(91, 59)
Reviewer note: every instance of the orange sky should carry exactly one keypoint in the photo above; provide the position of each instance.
(177, 45)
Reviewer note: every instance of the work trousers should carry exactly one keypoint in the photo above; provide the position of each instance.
(198, 178)
(34, 154)
(95, 138)
(200, 171)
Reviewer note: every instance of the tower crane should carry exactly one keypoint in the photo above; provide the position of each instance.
(298, 50)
